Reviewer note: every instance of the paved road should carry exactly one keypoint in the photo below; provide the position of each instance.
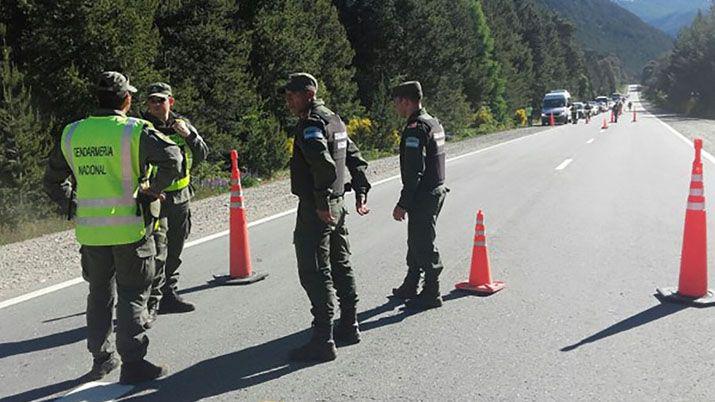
(581, 250)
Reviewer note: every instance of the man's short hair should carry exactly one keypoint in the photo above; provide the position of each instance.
(111, 100)
(410, 89)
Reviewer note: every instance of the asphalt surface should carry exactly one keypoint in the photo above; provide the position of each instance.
(581, 250)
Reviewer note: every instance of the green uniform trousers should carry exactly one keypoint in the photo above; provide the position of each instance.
(124, 273)
(323, 254)
(174, 229)
(422, 254)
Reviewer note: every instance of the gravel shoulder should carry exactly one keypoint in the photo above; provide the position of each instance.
(44, 261)
(690, 127)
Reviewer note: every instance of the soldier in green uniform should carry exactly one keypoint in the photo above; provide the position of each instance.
(98, 168)
(322, 151)
(175, 223)
(422, 167)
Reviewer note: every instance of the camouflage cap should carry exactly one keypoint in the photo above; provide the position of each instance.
(408, 89)
(112, 81)
(300, 82)
(160, 90)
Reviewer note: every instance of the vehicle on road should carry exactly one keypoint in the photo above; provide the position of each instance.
(602, 102)
(558, 104)
(580, 109)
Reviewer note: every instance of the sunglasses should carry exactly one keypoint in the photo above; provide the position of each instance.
(154, 99)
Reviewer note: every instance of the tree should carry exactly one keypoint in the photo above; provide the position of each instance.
(24, 141)
(72, 41)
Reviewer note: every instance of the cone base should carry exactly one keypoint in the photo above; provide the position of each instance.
(229, 280)
(485, 289)
(671, 295)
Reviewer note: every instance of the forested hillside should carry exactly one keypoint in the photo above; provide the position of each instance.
(667, 15)
(608, 29)
(479, 62)
(683, 80)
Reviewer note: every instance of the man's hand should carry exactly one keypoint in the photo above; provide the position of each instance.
(399, 213)
(325, 216)
(146, 196)
(181, 128)
(361, 205)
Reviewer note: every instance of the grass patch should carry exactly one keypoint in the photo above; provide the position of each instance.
(30, 229)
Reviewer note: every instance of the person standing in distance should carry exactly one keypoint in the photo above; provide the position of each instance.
(100, 166)
(322, 151)
(422, 168)
(175, 222)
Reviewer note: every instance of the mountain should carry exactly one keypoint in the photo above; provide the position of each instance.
(607, 28)
(667, 15)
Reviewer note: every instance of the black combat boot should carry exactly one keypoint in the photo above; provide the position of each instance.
(173, 303)
(429, 297)
(320, 348)
(101, 366)
(408, 289)
(347, 331)
(141, 371)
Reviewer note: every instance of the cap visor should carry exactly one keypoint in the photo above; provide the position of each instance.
(131, 88)
(159, 95)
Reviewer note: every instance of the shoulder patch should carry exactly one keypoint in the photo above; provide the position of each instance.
(313, 133)
(412, 142)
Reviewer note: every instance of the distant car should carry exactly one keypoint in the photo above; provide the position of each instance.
(594, 107)
(580, 109)
(603, 102)
(556, 104)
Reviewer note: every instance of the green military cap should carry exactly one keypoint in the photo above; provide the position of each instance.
(160, 90)
(300, 82)
(408, 89)
(112, 81)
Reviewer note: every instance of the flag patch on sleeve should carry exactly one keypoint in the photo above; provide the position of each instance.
(312, 133)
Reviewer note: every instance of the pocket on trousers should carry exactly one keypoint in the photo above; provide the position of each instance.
(188, 225)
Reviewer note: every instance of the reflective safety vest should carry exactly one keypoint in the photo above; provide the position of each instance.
(184, 181)
(103, 153)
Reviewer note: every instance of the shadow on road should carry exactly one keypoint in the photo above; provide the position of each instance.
(252, 366)
(81, 313)
(43, 342)
(390, 305)
(242, 369)
(654, 313)
(46, 391)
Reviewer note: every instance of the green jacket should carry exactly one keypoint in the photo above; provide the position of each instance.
(313, 169)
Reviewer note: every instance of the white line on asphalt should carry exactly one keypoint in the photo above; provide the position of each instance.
(685, 139)
(589, 141)
(563, 164)
(97, 391)
(53, 288)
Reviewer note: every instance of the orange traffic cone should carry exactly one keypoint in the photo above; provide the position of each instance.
(551, 120)
(693, 282)
(240, 272)
(634, 116)
(605, 124)
(480, 276)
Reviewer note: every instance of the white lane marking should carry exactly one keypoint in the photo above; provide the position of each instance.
(589, 141)
(96, 391)
(563, 164)
(707, 155)
(50, 289)
(40, 292)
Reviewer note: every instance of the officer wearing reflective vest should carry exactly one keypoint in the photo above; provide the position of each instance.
(322, 151)
(99, 166)
(175, 223)
(422, 167)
